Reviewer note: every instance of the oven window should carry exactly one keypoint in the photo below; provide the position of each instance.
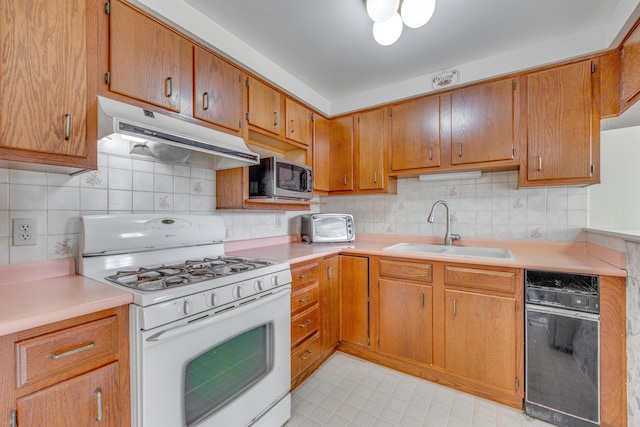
(215, 377)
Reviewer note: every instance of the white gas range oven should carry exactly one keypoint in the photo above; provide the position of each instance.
(210, 333)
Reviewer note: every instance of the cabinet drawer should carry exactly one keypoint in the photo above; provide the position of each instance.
(305, 355)
(492, 280)
(304, 275)
(406, 270)
(304, 324)
(304, 298)
(67, 352)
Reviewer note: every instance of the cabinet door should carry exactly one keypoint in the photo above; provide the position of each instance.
(482, 123)
(43, 80)
(370, 146)
(145, 58)
(480, 337)
(298, 122)
(341, 149)
(563, 127)
(354, 300)
(264, 107)
(330, 300)
(629, 65)
(218, 91)
(88, 400)
(415, 134)
(405, 320)
(321, 154)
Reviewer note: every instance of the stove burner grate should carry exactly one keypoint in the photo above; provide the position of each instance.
(189, 272)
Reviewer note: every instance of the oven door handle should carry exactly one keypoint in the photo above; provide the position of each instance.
(206, 321)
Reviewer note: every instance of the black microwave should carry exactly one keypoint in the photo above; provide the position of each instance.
(280, 179)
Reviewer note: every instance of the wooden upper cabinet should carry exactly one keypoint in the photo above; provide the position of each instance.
(298, 122)
(370, 146)
(47, 82)
(219, 87)
(563, 126)
(341, 154)
(147, 59)
(415, 134)
(265, 109)
(630, 66)
(482, 123)
(321, 154)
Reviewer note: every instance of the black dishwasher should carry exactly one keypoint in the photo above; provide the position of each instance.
(562, 380)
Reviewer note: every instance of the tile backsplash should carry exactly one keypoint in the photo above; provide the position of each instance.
(490, 207)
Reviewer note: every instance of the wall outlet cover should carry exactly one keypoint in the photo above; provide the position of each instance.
(24, 231)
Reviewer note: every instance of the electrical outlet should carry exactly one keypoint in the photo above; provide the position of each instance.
(24, 231)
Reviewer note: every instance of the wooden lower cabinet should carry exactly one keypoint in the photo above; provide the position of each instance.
(91, 399)
(330, 303)
(69, 373)
(480, 337)
(354, 300)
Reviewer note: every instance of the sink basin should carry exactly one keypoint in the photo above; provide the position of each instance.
(461, 251)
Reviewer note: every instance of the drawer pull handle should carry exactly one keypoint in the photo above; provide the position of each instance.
(307, 298)
(99, 395)
(302, 276)
(305, 324)
(72, 352)
(306, 355)
(421, 300)
(205, 101)
(168, 87)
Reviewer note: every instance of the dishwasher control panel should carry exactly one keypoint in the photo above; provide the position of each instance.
(579, 292)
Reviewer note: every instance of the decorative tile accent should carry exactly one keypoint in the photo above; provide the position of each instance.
(63, 248)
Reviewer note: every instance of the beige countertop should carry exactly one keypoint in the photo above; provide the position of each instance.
(35, 294)
(568, 257)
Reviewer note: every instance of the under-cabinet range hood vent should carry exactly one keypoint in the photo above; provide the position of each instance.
(168, 138)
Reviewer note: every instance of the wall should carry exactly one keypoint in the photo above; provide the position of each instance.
(123, 183)
(489, 207)
(615, 203)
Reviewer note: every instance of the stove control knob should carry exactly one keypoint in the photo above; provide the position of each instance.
(275, 280)
(212, 299)
(237, 292)
(259, 286)
(184, 307)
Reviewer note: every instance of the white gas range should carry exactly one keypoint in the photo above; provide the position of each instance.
(210, 333)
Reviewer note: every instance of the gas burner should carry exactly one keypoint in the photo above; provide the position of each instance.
(192, 271)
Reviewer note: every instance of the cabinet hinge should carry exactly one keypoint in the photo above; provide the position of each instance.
(390, 112)
(12, 419)
(313, 117)
(390, 165)
(378, 342)
(358, 119)
(593, 67)
(621, 53)
(240, 124)
(107, 78)
(248, 116)
(107, 8)
(516, 306)
(246, 82)
(513, 153)
(517, 383)
(513, 85)
(240, 78)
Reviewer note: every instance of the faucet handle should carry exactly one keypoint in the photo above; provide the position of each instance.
(454, 236)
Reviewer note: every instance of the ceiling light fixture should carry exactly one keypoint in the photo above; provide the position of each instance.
(387, 22)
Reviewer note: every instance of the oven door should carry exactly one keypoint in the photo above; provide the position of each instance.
(228, 369)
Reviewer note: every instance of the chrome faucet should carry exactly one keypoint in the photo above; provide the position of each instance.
(448, 236)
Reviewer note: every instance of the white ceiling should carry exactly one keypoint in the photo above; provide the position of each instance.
(326, 46)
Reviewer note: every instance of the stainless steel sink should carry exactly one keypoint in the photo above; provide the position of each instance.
(461, 251)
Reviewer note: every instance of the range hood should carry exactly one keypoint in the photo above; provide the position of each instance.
(168, 138)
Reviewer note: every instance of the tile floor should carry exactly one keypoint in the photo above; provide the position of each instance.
(347, 391)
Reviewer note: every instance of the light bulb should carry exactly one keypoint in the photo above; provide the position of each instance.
(416, 13)
(382, 10)
(386, 33)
